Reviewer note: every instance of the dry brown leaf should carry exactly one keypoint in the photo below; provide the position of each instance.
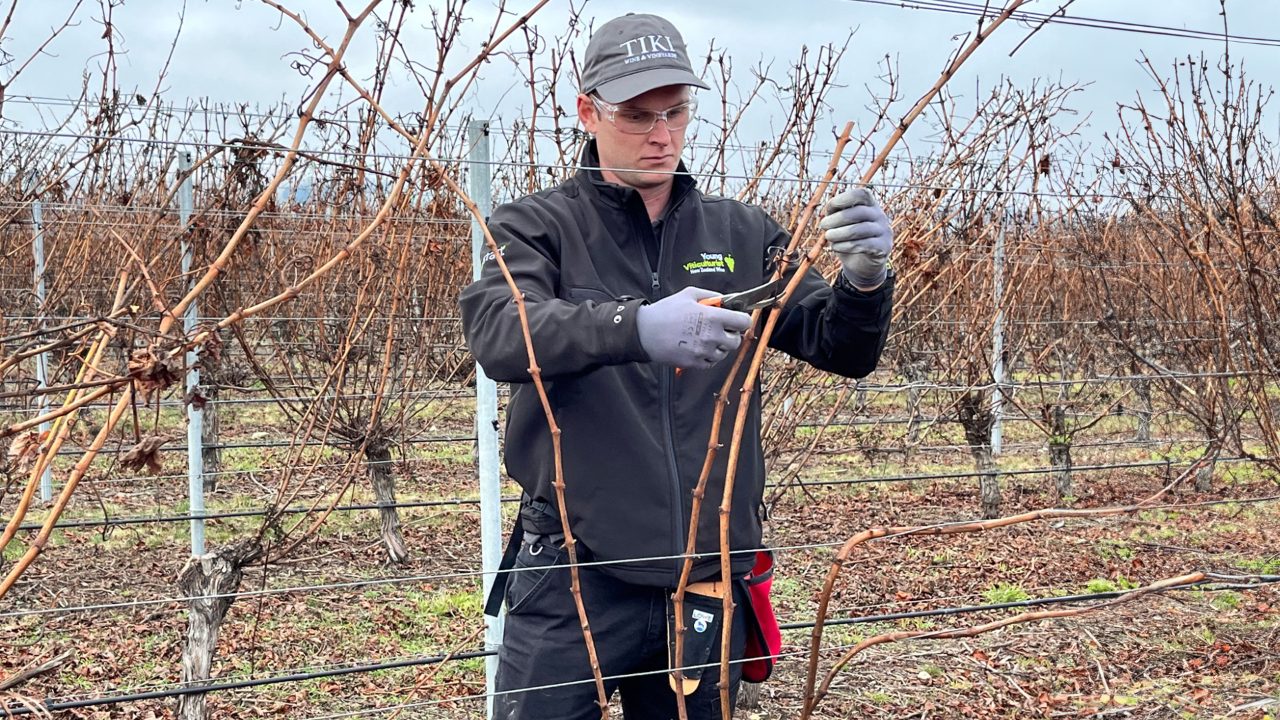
(153, 373)
(195, 398)
(25, 448)
(146, 454)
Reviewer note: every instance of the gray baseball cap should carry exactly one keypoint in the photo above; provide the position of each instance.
(634, 54)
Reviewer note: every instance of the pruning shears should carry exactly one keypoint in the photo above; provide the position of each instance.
(761, 296)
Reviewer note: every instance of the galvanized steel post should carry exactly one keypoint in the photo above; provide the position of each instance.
(42, 361)
(195, 414)
(480, 187)
(997, 340)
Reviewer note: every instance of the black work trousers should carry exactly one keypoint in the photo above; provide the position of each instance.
(543, 670)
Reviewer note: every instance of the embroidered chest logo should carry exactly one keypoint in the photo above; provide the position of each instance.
(710, 263)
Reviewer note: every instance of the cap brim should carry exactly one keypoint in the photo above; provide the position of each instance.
(629, 86)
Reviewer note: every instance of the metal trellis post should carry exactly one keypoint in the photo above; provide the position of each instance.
(997, 341)
(195, 414)
(42, 360)
(480, 187)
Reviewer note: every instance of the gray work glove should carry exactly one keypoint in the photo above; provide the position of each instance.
(858, 232)
(678, 331)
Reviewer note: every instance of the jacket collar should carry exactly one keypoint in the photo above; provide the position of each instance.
(592, 180)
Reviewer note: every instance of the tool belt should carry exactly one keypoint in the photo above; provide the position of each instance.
(542, 524)
(764, 637)
(703, 616)
(703, 605)
(703, 620)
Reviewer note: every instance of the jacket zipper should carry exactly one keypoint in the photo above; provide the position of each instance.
(665, 380)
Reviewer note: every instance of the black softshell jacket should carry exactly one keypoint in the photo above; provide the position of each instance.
(634, 434)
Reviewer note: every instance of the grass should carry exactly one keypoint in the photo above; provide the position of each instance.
(12, 552)
(1162, 532)
(1226, 600)
(466, 603)
(1100, 585)
(1206, 635)
(243, 459)
(1001, 593)
(1110, 549)
(1107, 585)
(1261, 566)
(933, 671)
(459, 453)
(960, 684)
(846, 636)
(789, 590)
(878, 697)
(917, 624)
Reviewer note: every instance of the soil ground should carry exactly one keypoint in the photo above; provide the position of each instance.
(1183, 654)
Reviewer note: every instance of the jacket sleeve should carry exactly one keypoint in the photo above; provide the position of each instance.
(567, 337)
(838, 329)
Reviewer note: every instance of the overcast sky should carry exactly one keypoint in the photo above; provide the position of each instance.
(239, 51)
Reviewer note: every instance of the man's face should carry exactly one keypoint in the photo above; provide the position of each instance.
(640, 161)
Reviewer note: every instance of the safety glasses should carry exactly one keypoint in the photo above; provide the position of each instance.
(636, 121)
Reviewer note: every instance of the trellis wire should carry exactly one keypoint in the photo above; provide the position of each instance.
(262, 512)
(574, 167)
(374, 582)
(215, 685)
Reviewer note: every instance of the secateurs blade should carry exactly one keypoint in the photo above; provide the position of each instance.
(761, 296)
(752, 299)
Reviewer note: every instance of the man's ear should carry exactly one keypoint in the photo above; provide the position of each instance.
(587, 114)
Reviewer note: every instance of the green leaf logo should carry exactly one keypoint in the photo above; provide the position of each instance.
(728, 261)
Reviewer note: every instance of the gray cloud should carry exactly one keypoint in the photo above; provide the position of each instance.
(238, 53)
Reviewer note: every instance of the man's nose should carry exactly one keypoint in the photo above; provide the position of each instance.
(660, 134)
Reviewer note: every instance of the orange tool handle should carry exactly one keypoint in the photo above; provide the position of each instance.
(709, 302)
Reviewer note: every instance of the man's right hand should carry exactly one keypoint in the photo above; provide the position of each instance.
(679, 331)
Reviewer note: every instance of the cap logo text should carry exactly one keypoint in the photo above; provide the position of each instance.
(649, 47)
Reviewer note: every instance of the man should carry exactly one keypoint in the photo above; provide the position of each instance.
(612, 264)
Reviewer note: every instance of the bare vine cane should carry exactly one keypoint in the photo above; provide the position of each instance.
(535, 372)
(811, 698)
(216, 267)
(740, 421)
(334, 68)
(61, 428)
(570, 543)
(306, 115)
(763, 341)
(67, 408)
(312, 414)
(117, 317)
(85, 329)
(713, 445)
(420, 140)
(534, 369)
(73, 480)
(1180, 581)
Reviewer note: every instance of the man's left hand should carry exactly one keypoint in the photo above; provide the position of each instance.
(858, 232)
